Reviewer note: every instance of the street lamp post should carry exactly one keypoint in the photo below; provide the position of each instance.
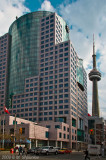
(14, 129)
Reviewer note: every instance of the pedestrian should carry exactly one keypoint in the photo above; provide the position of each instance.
(14, 149)
(86, 155)
(20, 150)
(25, 151)
(102, 152)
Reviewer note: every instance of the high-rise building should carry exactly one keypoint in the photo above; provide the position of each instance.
(4, 60)
(46, 80)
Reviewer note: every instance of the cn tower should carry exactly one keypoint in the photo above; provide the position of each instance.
(95, 76)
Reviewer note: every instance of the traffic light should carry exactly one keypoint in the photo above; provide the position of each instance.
(91, 131)
(20, 130)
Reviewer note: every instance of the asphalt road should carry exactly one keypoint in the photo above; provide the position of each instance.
(71, 156)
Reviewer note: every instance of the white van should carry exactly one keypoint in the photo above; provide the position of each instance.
(94, 149)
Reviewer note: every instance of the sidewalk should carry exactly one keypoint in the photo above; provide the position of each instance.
(75, 155)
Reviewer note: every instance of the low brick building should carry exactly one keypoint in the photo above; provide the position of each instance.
(55, 133)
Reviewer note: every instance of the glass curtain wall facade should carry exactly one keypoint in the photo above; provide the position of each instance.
(24, 56)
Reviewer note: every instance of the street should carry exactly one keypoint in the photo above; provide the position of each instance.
(72, 156)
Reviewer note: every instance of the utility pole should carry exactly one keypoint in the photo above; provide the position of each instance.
(14, 129)
(0, 129)
(3, 131)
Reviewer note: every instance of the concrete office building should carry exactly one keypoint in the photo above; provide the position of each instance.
(98, 125)
(4, 55)
(46, 81)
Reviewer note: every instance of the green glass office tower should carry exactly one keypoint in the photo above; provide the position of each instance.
(24, 54)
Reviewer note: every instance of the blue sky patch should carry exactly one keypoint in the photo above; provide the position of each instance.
(80, 30)
(100, 34)
(98, 54)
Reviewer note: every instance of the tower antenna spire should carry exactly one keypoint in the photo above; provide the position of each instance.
(93, 45)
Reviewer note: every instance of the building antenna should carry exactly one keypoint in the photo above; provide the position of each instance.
(93, 45)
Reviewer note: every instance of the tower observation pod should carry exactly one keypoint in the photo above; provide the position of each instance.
(94, 76)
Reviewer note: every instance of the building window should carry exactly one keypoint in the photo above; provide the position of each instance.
(50, 118)
(45, 108)
(60, 101)
(55, 107)
(47, 27)
(72, 137)
(65, 112)
(57, 126)
(45, 113)
(47, 134)
(73, 122)
(60, 135)
(66, 79)
(45, 118)
(66, 101)
(40, 119)
(60, 107)
(30, 114)
(64, 136)
(64, 128)
(50, 102)
(60, 96)
(66, 106)
(66, 54)
(60, 112)
(55, 113)
(22, 105)
(14, 122)
(48, 126)
(34, 113)
(50, 113)
(66, 85)
(67, 129)
(66, 49)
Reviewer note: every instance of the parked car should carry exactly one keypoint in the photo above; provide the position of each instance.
(49, 149)
(30, 151)
(64, 150)
(33, 150)
(57, 148)
(37, 150)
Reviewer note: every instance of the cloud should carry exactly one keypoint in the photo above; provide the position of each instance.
(46, 6)
(86, 17)
(9, 9)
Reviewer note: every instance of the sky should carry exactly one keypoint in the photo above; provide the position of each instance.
(84, 18)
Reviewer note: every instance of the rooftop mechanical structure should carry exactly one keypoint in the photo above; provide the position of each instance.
(95, 76)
